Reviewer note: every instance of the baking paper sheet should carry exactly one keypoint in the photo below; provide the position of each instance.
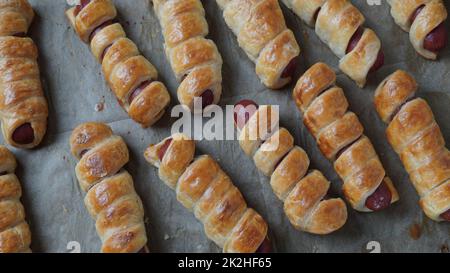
(76, 91)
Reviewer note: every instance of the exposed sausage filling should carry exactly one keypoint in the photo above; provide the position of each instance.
(290, 69)
(162, 151)
(23, 134)
(78, 8)
(265, 247)
(207, 98)
(380, 199)
(379, 62)
(242, 112)
(437, 39)
(446, 215)
(138, 90)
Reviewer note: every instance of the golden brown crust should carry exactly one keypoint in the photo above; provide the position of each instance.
(111, 198)
(432, 15)
(15, 235)
(286, 165)
(195, 60)
(204, 188)
(414, 134)
(262, 33)
(125, 69)
(339, 135)
(393, 92)
(336, 22)
(22, 100)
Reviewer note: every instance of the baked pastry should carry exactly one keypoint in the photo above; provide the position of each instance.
(340, 137)
(23, 107)
(417, 139)
(132, 78)
(15, 235)
(339, 24)
(195, 60)
(276, 156)
(425, 22)
(111, 198)
(205, 189)
(262, 33)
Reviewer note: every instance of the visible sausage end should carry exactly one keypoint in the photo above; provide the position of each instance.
(80, 7)
(437, 39)
(446, 215)
(380, 199)
(379, 62)
(138, 90)
(290, 69)
(23, 134)
(162, 151)
(243, 110)
(207, 98)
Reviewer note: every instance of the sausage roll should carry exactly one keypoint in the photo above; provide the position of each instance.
(276, 156)
(111, 198)
(206, 190)
(132, 78)
(15, 235)
(340, 137)
(425, 22)
(339, 24)
(195, 60)
(23, 107)
(262, 33)
(417, 139)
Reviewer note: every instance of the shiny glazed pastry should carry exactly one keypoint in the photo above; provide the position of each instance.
(111, 198)
(23, 107)
(206, 190)
(339, 24)
(303, 192)
(15, 235)
(132, 78)
(195, 60)
(262, 33)
(416, 137)
(425, 22)
(340, 137)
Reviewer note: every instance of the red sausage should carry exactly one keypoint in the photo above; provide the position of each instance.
(81, 6)
(104, 53)
(207, 98)
(82, 153)
(446, 215)
(437, 39)
(23, 134)
(290, 69)
(380, 199)
(99, 28)
(265, 247)
(162, 151)
(379, 62)
(242, 112)
(138, 90)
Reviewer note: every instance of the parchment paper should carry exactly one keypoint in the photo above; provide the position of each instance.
(75, 88)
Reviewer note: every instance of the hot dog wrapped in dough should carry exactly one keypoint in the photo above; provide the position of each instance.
(340, 25)
(340, 137)
(303, 191)
(416, 137)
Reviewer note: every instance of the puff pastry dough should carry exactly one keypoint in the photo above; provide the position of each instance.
(340, 137)
(195, 60)
(337, 23)
(23, 107)
(302, 192)
(262, 33)
(432, 14)
(206, 190)
(15, 236)
(132, 78)
(417, 139)
(111, 198)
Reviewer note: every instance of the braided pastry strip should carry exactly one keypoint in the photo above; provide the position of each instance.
(303, 193)
(131, 77)
(204, 188)
(416, 137)
(340, 137)
(111, 198)
(195, 60)
(339, 24)
(15, 235)
(424, 20)
(262, 33)
(23, 107)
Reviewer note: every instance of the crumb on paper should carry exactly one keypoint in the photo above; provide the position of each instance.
(166, 237)
(99, 106)
(73, 2)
